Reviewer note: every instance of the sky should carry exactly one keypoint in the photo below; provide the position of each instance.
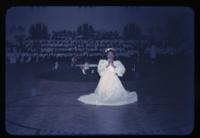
(102, 18)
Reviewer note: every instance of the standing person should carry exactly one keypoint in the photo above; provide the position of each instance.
(110, 90)
(73, 61)
(56, 65)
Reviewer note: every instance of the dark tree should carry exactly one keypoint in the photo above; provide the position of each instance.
(20, 36)
(85, 30)
(177, 31)
(39, 31)
(132, 31)
(156, 33)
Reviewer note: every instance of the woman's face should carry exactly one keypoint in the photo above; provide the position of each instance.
(110, 55)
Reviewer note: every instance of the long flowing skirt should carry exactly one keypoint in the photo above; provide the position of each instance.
(109, 91)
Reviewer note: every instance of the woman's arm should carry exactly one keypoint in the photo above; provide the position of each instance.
(101, 66)
(120, 69)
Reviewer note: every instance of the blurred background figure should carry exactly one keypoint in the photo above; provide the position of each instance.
(73, 61)
(55, 67)
(84, 68)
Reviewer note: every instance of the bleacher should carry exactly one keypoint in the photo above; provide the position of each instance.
(62, 46)
(71, 47)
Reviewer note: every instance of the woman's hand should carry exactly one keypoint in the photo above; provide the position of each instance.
(113, 64)
(108, 64)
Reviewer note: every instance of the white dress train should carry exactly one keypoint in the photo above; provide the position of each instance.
(110, 90)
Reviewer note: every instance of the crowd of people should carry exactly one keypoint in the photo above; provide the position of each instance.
(41, 50)
(72, 52)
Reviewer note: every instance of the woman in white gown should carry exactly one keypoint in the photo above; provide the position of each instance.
(109, 90)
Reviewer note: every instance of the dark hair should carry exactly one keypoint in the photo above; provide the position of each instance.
(110, 50)
(113, 51)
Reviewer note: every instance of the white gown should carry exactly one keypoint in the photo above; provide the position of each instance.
(109, 90)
